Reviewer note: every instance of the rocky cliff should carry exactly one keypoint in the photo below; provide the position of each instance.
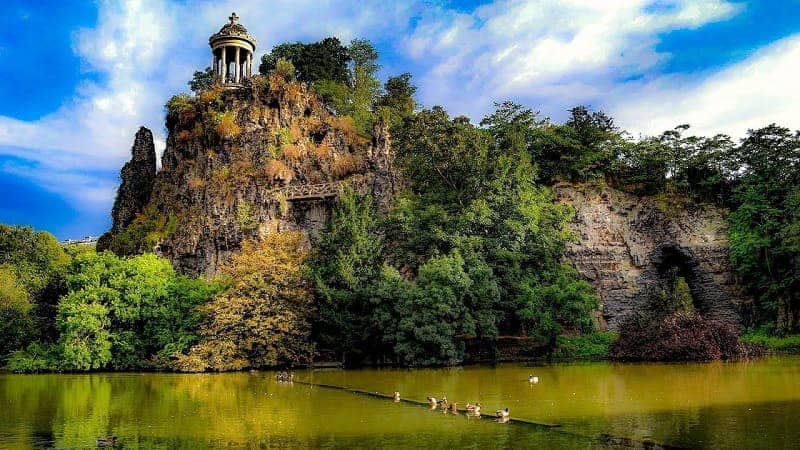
(243, 162)
(627, 244)
(137, 176)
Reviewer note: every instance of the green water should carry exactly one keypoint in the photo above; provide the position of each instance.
(753, 404)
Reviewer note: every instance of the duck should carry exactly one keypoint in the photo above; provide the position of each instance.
(110, 441)
(454, 408)
(502, 413)
(473, 409)
(433, 402)
(533, 379)
(396, 396)
(443, 402)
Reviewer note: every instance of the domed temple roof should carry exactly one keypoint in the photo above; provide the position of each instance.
(233, 30)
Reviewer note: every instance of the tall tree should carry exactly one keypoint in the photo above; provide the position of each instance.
(262, 319)
(364, 84)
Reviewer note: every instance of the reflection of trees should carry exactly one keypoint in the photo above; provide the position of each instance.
(681, 404)
(229, 408)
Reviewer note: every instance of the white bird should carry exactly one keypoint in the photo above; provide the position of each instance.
(501, 413)
(533, 379)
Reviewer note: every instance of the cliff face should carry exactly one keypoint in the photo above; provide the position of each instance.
(137, 176)
(270, 157)
(242, 163)
(626, 244)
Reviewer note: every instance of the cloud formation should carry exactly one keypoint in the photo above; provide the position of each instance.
(550, 54)
(142, 52)
(547, 52)
(750, 94)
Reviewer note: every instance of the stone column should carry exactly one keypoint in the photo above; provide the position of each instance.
(214, 66)
(237, 74)
(224, 65)
(249, 64)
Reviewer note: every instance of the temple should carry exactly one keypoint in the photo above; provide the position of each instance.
(233, 49)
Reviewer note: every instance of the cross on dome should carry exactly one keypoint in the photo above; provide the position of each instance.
(233, 18)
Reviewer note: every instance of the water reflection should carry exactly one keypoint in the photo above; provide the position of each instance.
(738, 405)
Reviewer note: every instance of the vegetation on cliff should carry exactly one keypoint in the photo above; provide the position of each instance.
(470, 250)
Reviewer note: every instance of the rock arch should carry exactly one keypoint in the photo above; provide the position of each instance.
(626, 242)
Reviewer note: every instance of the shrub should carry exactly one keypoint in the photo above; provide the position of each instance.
(35, 358)
(292, 152)
(322, 151)
(680, 336)
(184, 135)
(278, 173)
(196, 183)
(283, 137)
(585, 346)
(226, 126)
(180, 109)
(244, 216)
(294, 132)
(345, 165)
(346, 125)
(285, 69)
(212, 97)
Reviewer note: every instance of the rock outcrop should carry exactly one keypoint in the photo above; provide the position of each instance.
(137, 177)
(244, 162)
(626, 243)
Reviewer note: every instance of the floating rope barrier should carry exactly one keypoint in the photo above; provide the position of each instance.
(607, 439)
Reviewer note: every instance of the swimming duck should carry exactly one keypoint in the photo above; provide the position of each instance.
(474, 409)
(502, 413)
(110, 441)
(533, 379)
(396, 396)
(454, 407)
(433, 402)
(443, 402)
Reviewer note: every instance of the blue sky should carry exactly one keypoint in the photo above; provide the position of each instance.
(80, 77)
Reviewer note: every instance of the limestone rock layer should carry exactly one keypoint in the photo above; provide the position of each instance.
(626, 243)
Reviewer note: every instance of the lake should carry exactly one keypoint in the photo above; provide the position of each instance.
(748, 404)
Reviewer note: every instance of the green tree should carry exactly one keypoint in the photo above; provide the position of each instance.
(262, 319)
(546, 308)
(84, 322)
(202, 80)
(16, 322)
(397, 100)
(324, 60)
(345, 265)
(128, 313)
(364, 84)
(764, 223)
(37, 264)
(431, 319)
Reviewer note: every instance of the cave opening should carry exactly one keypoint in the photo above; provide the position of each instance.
(677, 280)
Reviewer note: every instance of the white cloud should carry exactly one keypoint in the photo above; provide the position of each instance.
(553, 51)
(552, 54)
(142, 52)
(751, 94)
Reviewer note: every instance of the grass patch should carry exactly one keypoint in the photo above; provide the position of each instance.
(778, 344)
(585, 346)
